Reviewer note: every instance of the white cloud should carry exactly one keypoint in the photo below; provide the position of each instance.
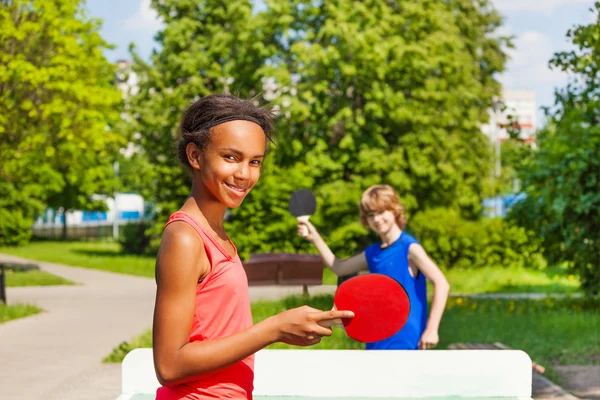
(528, 66)
(592, 17)
(528, 69)
(145, 18)
(544, 6)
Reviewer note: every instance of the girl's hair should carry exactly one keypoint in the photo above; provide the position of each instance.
(381, 198)
(207, 112)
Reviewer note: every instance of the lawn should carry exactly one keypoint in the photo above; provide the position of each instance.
(102, 255)
(551, 331)
(501, 279)
(106, 256)
(13, 311)
(34, 278)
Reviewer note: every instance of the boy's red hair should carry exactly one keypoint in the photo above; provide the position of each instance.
(380, 198)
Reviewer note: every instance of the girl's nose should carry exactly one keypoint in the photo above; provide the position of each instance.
(243, 172)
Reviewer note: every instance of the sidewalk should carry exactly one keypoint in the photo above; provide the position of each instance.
(58, 353)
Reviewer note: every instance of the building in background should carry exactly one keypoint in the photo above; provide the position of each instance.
(517, 110)
(127, 79)
(515, 106)
(130, 208)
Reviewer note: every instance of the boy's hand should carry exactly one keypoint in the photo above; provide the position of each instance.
(307, 230)
(429, 339)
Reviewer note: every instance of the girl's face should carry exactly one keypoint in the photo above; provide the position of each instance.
(381, 221)
(230, 164)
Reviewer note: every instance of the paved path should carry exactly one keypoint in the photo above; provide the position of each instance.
(58, 353)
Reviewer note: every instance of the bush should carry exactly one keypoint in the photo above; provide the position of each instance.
(134, 238)
(562, 182)
(15, 228)
(453, 242)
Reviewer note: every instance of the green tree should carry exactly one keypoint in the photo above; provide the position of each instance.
(367, 92)
(206, 46)
(563, 181)
(377, 91)
(516, 155)
(57, 100)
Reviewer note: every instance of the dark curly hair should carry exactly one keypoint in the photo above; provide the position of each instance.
(207, 112)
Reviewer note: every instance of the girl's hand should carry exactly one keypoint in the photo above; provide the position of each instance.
(302, 326)
(429, 339)
(307, 230)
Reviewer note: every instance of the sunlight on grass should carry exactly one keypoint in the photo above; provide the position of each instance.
(10, 312)
(105, 255)
(511, 280)
(119, 352)
(100, 255)
(34, 278)
(500, 280)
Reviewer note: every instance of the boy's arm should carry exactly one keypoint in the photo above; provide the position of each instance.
(339, 267)
(421, 260)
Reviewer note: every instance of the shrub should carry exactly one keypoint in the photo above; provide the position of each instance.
(454, 242)
(15, 228)
(134, 238)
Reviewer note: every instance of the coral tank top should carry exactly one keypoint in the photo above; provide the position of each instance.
(222, 309)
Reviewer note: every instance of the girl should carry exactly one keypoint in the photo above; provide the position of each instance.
(203, 336)
(399, 256)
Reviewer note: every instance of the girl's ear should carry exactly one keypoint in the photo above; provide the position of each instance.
(193, 155)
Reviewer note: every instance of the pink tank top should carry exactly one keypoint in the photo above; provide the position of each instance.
(222, 309)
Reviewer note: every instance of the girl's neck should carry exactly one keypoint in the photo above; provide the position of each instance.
(388, 238)
(212, 210)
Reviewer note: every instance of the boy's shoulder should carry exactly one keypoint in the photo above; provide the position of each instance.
(408, 238)
(372, 248)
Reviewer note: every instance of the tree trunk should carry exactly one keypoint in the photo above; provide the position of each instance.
(64, 228)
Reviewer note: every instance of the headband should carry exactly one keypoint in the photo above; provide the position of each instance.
(222, 120)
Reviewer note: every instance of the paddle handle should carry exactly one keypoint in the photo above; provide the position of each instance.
(303, 229)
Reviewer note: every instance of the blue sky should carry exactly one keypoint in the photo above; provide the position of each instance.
(539, 27)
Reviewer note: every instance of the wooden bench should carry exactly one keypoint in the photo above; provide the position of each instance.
(392, 374)
(284, 269)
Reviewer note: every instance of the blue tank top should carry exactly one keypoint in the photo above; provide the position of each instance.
(393, 262)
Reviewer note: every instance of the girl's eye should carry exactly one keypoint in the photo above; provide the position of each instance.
(232, 158)
(256, 162)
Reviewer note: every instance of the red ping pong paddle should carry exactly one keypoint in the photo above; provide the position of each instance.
(380, 304)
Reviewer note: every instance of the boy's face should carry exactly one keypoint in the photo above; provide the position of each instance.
(381, 222)
(230, 164)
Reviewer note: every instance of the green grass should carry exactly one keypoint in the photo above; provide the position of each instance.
(106, 256)
(100, 255)
(34, 278)
(119, 352)
(9, 312)
(551, 331)
(501, 279)
(512, 280)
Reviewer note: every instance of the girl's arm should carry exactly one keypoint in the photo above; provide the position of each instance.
(339, 267)
(181, 262)
(425, 264)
